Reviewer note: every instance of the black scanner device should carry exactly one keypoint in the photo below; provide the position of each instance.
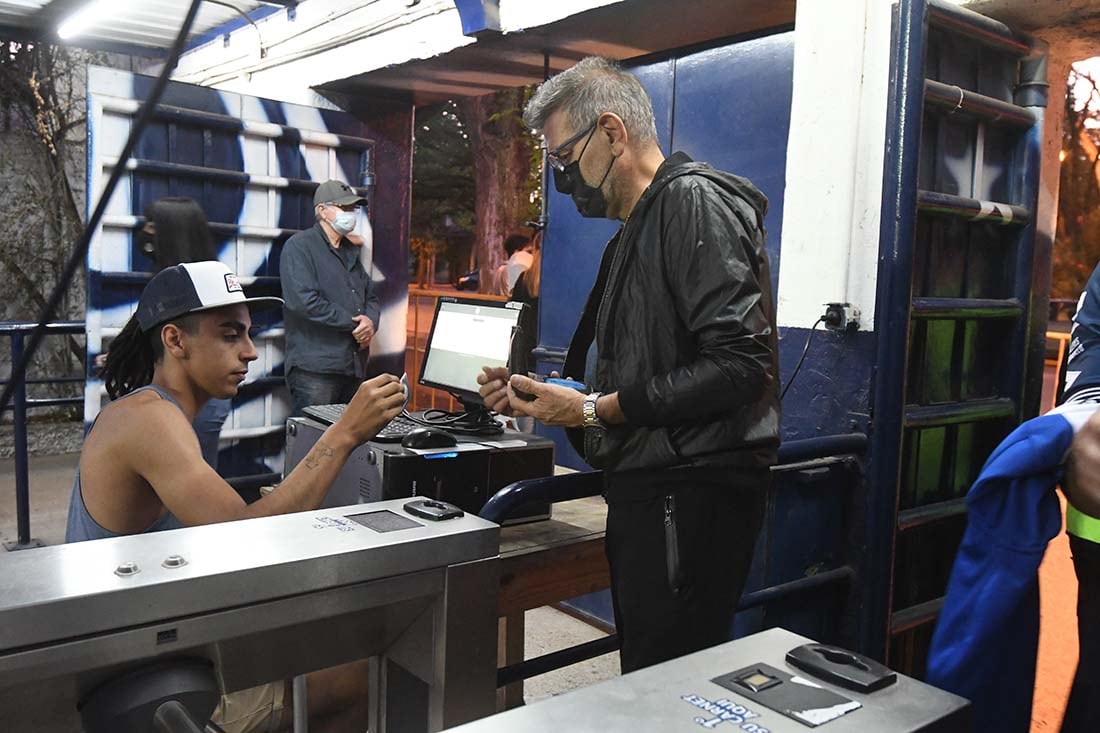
(428, 438)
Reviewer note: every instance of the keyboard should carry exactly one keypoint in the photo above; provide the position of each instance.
(393, 432)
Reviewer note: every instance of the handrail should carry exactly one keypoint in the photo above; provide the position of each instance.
(431, 293)
(56, 327)
(590, 483)
(16, 331)
(827, 580)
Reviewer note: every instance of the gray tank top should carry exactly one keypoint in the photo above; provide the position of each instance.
(81, 526)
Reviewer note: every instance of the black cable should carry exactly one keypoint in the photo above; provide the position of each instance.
(238, 11)
(80, 252)
(480, 422)
(805, 350)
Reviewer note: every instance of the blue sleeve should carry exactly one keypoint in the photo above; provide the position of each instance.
(1083, 360)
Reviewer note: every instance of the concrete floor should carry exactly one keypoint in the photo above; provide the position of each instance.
(547, 629)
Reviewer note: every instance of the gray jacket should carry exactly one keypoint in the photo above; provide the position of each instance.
(323, 289)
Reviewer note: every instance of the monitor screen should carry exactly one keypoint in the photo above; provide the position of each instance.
(467, 335)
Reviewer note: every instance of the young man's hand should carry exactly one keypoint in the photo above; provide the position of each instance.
(376, 402)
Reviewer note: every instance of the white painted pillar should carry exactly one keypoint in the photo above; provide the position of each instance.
(832, 201)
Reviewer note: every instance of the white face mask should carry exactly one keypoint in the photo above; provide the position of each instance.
(344, 222)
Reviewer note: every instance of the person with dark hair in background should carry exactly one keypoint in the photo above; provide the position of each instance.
(526, 291)
(677, 354)
(520, 251)
(176, 231)
(332, 308)
(189, 342)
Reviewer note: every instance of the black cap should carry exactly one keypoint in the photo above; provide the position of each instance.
(338, 193)
(190, 288)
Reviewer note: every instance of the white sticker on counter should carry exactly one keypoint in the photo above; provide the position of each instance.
(725, 711)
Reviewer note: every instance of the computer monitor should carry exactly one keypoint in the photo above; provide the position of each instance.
(467, 335)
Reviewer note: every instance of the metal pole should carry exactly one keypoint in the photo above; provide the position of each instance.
(22, 474)
(301, 704)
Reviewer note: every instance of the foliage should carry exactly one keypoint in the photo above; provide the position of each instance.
(42, 118)
(475, 170)
(443, 172)
(1077, 242)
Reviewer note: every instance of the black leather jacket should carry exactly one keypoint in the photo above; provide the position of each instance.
(684, 318)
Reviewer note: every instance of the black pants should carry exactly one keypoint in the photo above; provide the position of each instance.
(680, 546)
(1083, 709)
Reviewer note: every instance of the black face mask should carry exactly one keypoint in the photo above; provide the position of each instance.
(145, 242)
(589, 200)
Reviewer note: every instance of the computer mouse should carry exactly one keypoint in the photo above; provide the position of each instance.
(428, 438)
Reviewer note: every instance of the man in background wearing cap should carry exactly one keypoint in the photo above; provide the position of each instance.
(331, 311)
(141, 468)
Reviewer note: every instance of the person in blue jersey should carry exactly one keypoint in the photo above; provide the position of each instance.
(1082, 485)
(141, 468)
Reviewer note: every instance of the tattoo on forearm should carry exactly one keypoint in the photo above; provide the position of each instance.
(319, 455)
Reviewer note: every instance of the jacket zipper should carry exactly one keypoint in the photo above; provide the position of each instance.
(672, 546)
(601, 313)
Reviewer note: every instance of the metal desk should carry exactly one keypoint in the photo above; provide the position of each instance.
(262, 599)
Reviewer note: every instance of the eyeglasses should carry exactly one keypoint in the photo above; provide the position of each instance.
(558, 156)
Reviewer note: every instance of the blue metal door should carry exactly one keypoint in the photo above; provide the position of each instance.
(961, 302)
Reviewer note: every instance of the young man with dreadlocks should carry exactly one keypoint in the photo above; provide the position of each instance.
(189, 342)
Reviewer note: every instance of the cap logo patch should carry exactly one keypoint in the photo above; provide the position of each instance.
(232, 284)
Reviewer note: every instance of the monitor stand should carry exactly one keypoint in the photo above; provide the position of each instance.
(477, 414)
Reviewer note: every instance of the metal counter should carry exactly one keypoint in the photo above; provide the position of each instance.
(264, 599)
(681, 695)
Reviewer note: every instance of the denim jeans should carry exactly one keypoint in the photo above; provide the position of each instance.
(208, 426)
(316, 388)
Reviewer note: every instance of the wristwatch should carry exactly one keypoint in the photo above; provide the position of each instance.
(588, 409)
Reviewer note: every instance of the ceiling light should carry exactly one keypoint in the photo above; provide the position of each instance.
(85, 17)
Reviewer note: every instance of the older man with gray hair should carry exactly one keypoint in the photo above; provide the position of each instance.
(677, 354)
(332, 308)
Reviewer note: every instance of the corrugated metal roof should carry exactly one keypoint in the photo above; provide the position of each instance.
(627, 30)
(151, 24)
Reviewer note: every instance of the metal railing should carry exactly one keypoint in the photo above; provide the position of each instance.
(17, 332)
(844, 447)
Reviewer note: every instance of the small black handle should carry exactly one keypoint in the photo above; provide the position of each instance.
(842, 667)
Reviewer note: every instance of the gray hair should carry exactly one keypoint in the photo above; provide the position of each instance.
(588, 89)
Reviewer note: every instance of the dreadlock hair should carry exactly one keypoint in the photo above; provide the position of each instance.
(133, 354)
